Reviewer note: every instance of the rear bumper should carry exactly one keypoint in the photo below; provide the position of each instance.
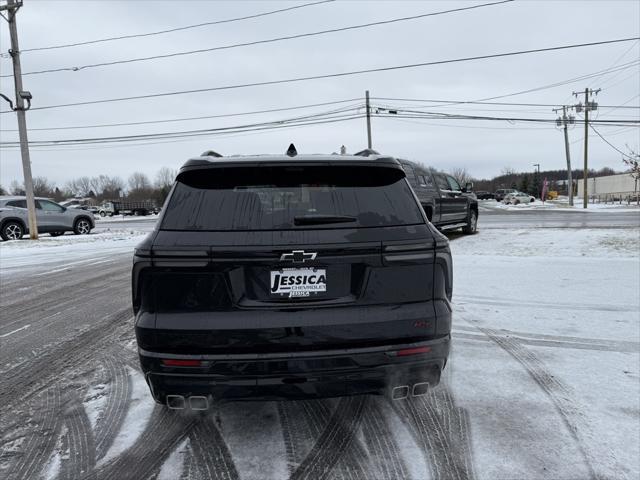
(298, 375)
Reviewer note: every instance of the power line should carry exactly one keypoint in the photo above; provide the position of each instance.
(341, 74)
(187, 133)
(326, 117)
(184, 119)
(177, 29)
(478, 102)
(553, 85)
(258, 42)
(403, 113)
(610, 144)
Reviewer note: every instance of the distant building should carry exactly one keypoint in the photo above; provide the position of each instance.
(611, 184)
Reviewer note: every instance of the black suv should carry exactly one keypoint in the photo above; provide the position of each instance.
(306, 276)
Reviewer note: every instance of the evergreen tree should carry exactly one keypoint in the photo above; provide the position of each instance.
(524, 183)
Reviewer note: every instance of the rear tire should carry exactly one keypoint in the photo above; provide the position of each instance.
(12, 231)
(82, 226)
(103, 214)
(472, 223)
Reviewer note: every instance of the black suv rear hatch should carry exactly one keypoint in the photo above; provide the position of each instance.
(280, 258)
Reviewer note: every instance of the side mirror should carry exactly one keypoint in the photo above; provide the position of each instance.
(468, 187)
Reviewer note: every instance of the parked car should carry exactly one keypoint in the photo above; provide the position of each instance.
(51, 218)
(520, 197)
(446, 204)
(501, 193)
(87, 208)
(507, 198)
(291, 277)
(483, 195)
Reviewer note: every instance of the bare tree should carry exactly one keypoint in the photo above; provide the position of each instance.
(139, 186)
(633, 162)
(42, 187)
(507, 171)
(16, 188)
(164, 180)
(165, 177)
(2, 190)
(111, 187)
(80, 187)
(105, 186)
(139, 181)
(461, 175)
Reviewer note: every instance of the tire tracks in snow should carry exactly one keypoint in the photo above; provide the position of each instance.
(65, 358)
(564, 402)
(383, 450)
(505, 302)
(161, 437)
(561, 341)
(80, 442)
(209, 451)
(334, 441)
(353, 463)
(115, 411)
(40, 444)
(441, 430)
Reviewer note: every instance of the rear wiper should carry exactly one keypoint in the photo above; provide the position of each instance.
(318, 219)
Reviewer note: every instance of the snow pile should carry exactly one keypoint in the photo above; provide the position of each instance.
(561, 205)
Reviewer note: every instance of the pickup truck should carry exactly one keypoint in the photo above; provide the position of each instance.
(117, 207)
(446, 203)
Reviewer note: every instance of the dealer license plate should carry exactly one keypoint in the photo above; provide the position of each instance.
(298, 282)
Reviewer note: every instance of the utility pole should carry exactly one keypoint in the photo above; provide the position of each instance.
(564, 120)
(368, 120)
(12, 7)
(587, 107)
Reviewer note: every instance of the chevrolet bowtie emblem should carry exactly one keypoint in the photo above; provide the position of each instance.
(298, 256)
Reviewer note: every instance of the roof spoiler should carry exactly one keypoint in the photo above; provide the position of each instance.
(367, 152)
(210, 153)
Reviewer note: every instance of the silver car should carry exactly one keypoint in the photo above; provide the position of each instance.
(52, 218)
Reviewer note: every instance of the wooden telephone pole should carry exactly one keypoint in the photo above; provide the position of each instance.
(12, 7)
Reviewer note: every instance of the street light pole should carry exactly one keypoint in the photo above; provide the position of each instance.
(12, 8)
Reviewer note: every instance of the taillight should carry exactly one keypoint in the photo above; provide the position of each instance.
(170, 362)
(413, 351)
(408, 253)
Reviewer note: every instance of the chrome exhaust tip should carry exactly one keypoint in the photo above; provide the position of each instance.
(398, 393)
(198, 403)
(420, 389)
(175, 402)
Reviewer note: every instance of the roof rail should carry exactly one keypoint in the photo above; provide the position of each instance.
(210, 153)
(367, 152)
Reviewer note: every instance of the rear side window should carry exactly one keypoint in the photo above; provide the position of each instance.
(48, 206)
(17, 203)
(411, 174)
(277, 197)
(442, 182)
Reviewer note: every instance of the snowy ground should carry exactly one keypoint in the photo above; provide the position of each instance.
(543, 380)
(562, 205)
(66, 250)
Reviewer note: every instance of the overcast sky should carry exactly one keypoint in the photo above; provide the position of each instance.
(483, 147)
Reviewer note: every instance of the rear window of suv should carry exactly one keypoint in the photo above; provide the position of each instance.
(279, 197)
